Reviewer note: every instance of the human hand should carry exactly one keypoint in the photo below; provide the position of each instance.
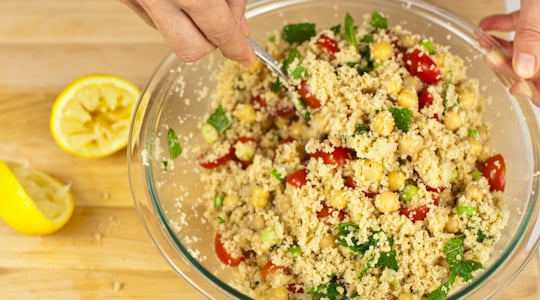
(194, 28)
(525, 48)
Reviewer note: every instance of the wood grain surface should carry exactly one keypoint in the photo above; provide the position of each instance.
(104, 251)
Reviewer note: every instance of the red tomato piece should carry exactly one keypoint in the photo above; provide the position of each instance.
(279, 109)
(419, 64)
(425, 100)
(330, 212)
(339, 156)
(328, 45)
(286, 140)
(309, 98)
(415, 213)
(295, 288)
(214, 162)
(298, 178)
(349, 182)
(270, 269)
(495, 172)
(223, 255)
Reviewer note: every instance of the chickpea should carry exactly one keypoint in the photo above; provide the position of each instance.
(405, 296)
(258, 222)
(467, 100)
(408, 98)
(381, 51)
(409, 144)
(338, 200)
(327, 241)
(396, 180)
(473, 193)
(258, 197)
(372, 170)
(452, 120)
(278, 293)
(387, 202)
(383, 123)
(452, 224)
(475, 145)
(246, 113)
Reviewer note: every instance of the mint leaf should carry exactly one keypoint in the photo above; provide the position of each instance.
(298, 33)
(378, 21)
(276, 86)
(459, 267)
(293, 55)
(219, 119)
(174, 145)
(350, 31)
(402, 117)
(336, 28)
(332, 291)
(388, 260)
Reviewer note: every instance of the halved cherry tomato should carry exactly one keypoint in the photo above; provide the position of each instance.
(279, 109)
(419, 64)
(298, 178)
(349, 182)
(247, 142)
(309, 98)
(223, 255)
(495, 172)
(286, 140)
(270, 269)
(328, 45)
(339, 156)
(330, 212)
(415, 213)
(425, 99)
(217, 161)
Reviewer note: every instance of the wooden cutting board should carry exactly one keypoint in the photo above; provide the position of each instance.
(104, 251)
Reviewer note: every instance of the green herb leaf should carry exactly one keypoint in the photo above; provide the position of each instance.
(388, 260)
(220, 220)
(428, 45)
(378, 21)
(336, 28)
(361, 128)
(368, 38)
(331, 291)
(272, 39)
(276, 86)
(402, 117)
(350, 31)
(346, 238)
(293, 55)
(219, 119)
(164, 165)
(482, 236)
(299, 33)
(459, 267)
(174, 145)
(298, 73)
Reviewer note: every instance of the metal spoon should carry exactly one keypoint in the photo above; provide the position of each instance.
(269, 61)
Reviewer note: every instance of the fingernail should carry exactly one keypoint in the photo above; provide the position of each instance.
(525, 65)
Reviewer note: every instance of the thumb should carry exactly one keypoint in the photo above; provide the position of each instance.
(526, 57)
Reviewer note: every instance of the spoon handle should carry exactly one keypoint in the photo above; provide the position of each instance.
(268, 60)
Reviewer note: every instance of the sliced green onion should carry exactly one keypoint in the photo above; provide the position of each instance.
(476, 175)
(218, 201)
(277, 175)
(466, 210)
(209, 133)
(473, 133)
(269, 236)
(428, 46)
(408, 192)
(295, 251)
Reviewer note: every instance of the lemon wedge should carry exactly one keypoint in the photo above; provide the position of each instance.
(91, 117)
(33, 202)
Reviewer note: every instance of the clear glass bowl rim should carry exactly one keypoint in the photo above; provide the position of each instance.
(149, 208)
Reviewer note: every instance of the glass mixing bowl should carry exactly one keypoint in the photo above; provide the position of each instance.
(177, 96)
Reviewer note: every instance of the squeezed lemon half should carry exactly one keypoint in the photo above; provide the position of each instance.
(33, 202)
(91, 117)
